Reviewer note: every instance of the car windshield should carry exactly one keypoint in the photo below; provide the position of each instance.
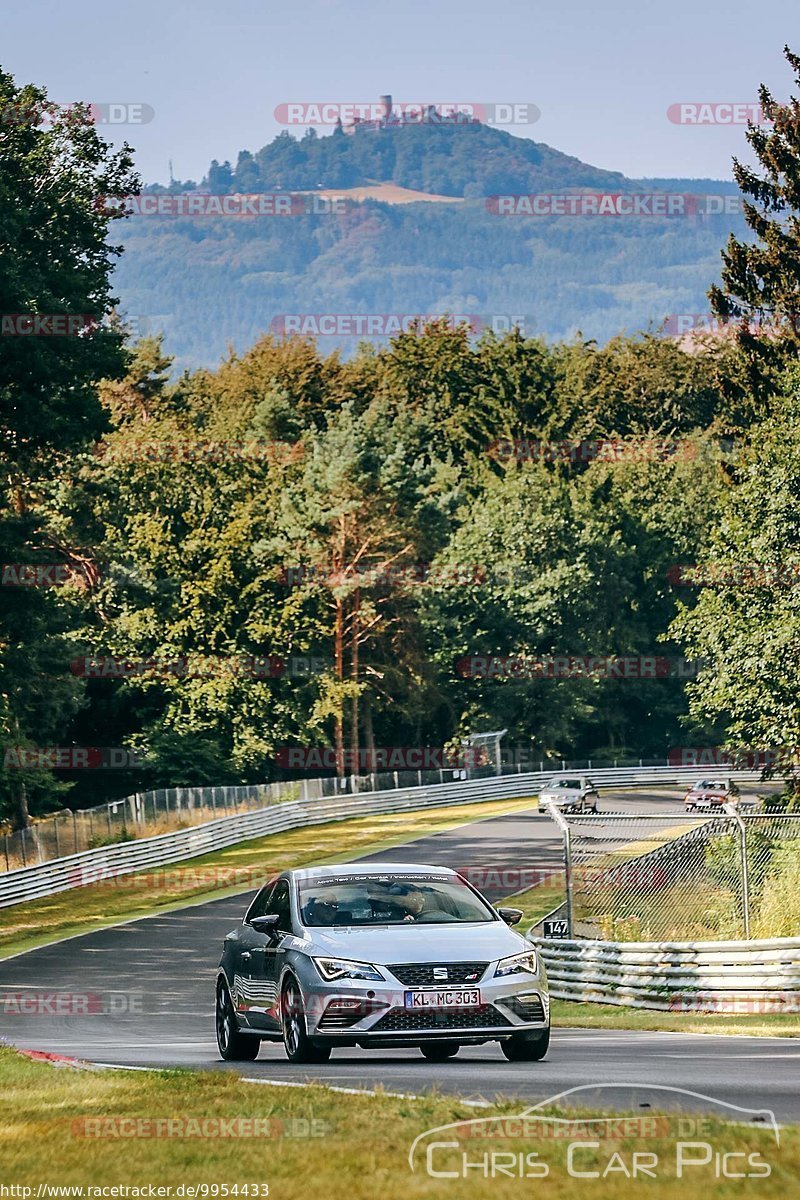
(389, 900)
(574, 785)
(708, 786)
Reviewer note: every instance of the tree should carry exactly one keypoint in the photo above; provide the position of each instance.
(761, 279)
(746, 622)
(364, 512)
(55, 260)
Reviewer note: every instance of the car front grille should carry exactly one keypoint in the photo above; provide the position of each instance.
(527, 1008)
(402, 1020)
(422, 974)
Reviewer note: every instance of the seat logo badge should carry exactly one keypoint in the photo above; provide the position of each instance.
(440, 973)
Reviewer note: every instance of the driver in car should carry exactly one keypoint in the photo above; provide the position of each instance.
(415, 902)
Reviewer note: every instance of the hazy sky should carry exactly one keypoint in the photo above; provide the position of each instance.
(603, 75)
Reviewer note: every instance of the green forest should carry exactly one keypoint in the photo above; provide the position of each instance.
(387, 514)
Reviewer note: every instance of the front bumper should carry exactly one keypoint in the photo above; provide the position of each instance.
(561, 805)
(366, 1011)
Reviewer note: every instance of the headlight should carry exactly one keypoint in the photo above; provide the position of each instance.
(343, 968)
(518, 962)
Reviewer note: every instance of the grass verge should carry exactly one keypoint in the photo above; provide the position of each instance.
(67, 1128)
(576, 1015)
(239, 868)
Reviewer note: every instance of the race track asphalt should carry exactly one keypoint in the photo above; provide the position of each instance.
(148, 986)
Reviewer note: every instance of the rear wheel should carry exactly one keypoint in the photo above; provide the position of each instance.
(234, 1046)
(297, 1044)
(440, 1051)
(526, 1047)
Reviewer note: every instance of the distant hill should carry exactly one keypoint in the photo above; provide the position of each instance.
(451, 159)
(214, 282)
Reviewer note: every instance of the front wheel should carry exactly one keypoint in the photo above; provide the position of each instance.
(526, 1047)
(234, 1046)
(296, 1042)
(440, 1051)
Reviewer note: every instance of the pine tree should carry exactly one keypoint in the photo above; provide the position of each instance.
(761, 281)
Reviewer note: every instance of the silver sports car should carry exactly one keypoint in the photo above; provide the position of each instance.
(379, 955)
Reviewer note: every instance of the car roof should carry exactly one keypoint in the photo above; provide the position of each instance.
(380, 869)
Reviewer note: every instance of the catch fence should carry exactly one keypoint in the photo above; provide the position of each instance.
(681, 876)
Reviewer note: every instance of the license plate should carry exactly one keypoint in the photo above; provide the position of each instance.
(445, 998)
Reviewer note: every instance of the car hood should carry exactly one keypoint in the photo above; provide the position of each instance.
(385, 944)
(560, 794)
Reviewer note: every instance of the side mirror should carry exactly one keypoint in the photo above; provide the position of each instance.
(511, 916)
(267, 925)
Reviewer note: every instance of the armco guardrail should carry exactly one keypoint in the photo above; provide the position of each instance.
(106, 862)
(746, 977)
(75, 870)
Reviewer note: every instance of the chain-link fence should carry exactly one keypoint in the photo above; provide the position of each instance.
(671, 877)
(167, 809)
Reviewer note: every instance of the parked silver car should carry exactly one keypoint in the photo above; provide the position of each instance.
(374, 956)
(572, 793)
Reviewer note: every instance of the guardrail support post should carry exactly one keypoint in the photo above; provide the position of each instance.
(731, 811)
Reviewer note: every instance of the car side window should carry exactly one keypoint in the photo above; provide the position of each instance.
(260, 906)
(279, 904)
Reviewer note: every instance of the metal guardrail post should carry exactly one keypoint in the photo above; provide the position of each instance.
(731, 811)
(566, 833)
